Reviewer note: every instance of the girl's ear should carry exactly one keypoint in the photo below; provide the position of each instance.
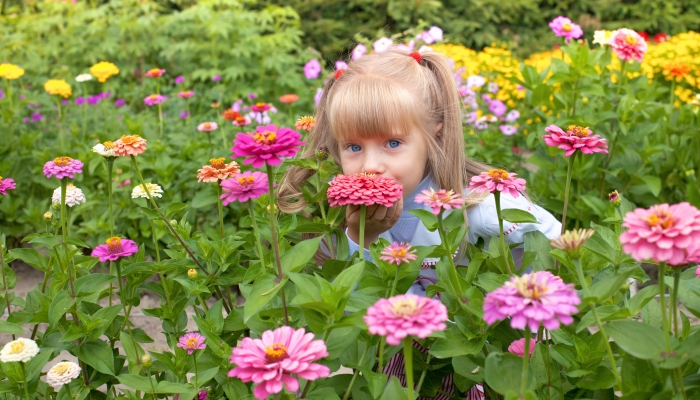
(438, 130)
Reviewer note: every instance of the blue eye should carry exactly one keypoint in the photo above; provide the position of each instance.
(355, 148)
(394, 144)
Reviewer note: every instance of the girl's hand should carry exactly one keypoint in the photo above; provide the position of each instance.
(379, 219)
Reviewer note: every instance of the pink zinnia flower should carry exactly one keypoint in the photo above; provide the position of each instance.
(260, 107)
(398, 253)
(186, 94)
(563, 26)
(289, 98)
(363, 189)
(191, 342)
(207, 126)
(628, 45)
(248, 185)
(6, 184)
(63, 167)
(312, 69)
(266, 145)
(697, 272)
(531, 299)
(115, 249)
(518, 347)
(129, 145)
(273, 360)
(662, 233)
(498, 180)
(154, 99)
(242, 120)
(405, 315)
(442, 199)
(155, 72)
(575, 138)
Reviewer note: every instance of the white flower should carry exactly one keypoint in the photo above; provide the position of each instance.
(512, 116)
(359, 51)
(62, 373)
(105, 149)
(436, 33)
(493, 87)
(602, 37)
(382, 45)
(153, 189)
(475, 81)
(74, 196)
(425, 49)
(83, 77)
(21, 350)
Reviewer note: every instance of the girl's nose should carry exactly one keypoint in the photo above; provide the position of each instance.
(373, 164)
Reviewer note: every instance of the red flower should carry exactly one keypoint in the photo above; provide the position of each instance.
(363, 189)
(660, 37)
(644, 35)
(230, 115)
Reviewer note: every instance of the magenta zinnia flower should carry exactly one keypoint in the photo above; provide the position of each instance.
(662, 233)
(63, 167)
(518, 347)
(260, 107)
(442, 199)
(248, 185)
(405, 315)
(398, 253)
(115, 249)
(273, 360)
(266, 145)
(6, 184)
(628, 45)
(191, 342)
(531, 299)
(363, 189)
(154, 99)
(563, 26)
(575, 138)
(498, 180)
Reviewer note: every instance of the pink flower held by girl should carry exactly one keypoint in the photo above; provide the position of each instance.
(277, 359)
(192, 342)
(498, 180)
(245, 186)
(662, 233)
(363, 189)
(563, 26)
(63, 167)
(207, 126)
(268, 144)
(628, 45)
(518, 347)
(398, 253)
(405, 315)
(6, 184)
(115, 249)
(129, 145)
(440, 200)
(531, 299)
(575, 138)
(154, 99)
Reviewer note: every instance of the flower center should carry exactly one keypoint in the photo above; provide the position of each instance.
(60, 368)
(108, 145)
(192, 342)
(130, 139)
(114, 244)
(400, 252)
(240, 119)
(567, 27)
(217, 163)
(62, 161)
(17, 347)
(528, 287)
(153, 97)
(265, 138)
(207, 125)
(579, 131)
(405, 307)
(275, 353)
(661, 218)
(260, 105)
(246, 180)
(630, 40)
(154, 71)
(498, 175)
(366, 175)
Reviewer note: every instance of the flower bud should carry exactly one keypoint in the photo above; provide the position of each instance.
(192, 274)
(173, 222)
(203, 395)
(615, 198)
(572, 241)
(56, 206)
(321, 153)
(624, 288)
(48, 217)
(146, 361)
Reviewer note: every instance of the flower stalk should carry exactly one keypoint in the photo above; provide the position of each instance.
(526, 363)
(501, 236)
(275, 241)
(408, 359)
(569, 171)
(4, 283)
(363, 217)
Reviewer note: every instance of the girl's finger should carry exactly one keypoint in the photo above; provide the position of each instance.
(380, 214)
(371, 210)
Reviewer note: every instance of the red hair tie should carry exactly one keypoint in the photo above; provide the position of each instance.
(338, 73)
(416, 56)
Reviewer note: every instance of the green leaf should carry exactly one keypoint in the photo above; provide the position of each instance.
(89, 284)
(653, 183)
(516, 216)
(504, 372)
(173, 208)
(59, 306)
(428, 218)
(31, 257)
(601, 378)
(456, 344)
(96, 354)
(150, 213)
(264, 290)
(137, 382)
(296, 258)
(11, 328)
(605, 288)
(689, 294)
(640, 340)
(394, 390)
(133, 351)
(640, 376)
(204, 198)
(639, 300)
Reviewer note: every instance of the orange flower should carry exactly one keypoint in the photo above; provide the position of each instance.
(230, 115)
(289, 98)
(217, 170)
(676, 69)
(307, 123)
(129, 145)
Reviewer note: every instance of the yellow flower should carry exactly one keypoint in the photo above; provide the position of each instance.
(10, 71)
(103, 70)
(59, 87)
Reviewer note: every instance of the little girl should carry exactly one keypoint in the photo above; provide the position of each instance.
(400, 116)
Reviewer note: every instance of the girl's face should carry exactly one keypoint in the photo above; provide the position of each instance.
(402, 158)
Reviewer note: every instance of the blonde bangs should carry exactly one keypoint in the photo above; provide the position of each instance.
(371, 106)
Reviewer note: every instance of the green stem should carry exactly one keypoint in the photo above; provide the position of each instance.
(662, 301)
(526, 363)
(674, 301)
(357, 371)
(9, 93)
(24, 377)
(381, 354)
(423, 374)
(363, 216)
(258, 243)
(110, 166)
(275, 242)
(502, 237)
(322, 207)
(70, 393)
(85, 106)
(4, 284)
(622, 79)
(163, 282)
(673, 89)
(408, 361)
(569, 171)
(153, 387)
(160, 121)
(575, 94)
(64, 185)
(221, 209)
(196, 373)
(104, 108)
